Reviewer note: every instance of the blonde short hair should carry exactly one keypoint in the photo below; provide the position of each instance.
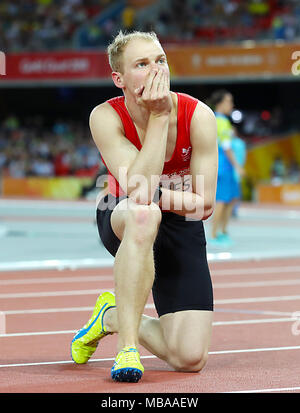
(116, 47)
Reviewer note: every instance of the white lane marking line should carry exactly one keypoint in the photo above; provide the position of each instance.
(48, 310)
(51, 293)
(215, 324)
(251, 350)
(147, 306)
(74, 264)
(2, 322)
(57, 264)
(50, 280)
(60, 310)
(243, 284)
(256, 321)
(255, 312)
(233, 271)
(254, 350)
(100, 278)
(257, 270)
(258, 299)
(44, 363)
(98, 291)
(38, 333)
(265, 390)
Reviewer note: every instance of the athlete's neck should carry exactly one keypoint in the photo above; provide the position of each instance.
(139, 115)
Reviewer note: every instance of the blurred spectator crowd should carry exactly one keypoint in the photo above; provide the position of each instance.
(220, 21)
(281, 172)
(34, 147)
(33, 25)
(31, 148)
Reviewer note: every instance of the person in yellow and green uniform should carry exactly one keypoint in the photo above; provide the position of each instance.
(227, 192)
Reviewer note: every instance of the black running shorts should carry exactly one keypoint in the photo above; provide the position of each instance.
(182, 277)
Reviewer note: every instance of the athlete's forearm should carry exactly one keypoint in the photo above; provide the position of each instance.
(143, 175)
(188, 204)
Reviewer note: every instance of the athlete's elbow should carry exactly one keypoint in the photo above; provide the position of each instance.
(208, 208)
(204, 214)
(208, 211)
(201, 209)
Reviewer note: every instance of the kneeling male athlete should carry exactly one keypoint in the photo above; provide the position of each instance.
(156, 134)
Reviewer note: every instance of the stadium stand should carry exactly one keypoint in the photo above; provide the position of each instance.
(31, 148)
(84, 24)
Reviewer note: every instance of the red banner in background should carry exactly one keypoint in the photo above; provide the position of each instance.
(249, 60)
(62, 65)
(240, 61)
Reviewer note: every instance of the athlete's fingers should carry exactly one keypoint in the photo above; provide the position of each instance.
(158, 80)
(167, 82)
(149, 81)
(161, 86)
(164, 85)
(167, 93)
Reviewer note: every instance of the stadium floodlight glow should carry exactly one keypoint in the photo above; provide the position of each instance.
(237, 116)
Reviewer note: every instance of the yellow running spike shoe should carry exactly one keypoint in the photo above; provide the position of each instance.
(127, 366)
(86, 340)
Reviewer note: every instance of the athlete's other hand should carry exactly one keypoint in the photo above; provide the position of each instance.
(155, 96)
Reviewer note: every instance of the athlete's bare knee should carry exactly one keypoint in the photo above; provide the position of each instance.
(189, 361)
(135, 218)
(143, 222)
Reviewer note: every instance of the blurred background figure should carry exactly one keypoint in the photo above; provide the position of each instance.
(239, 149)
(279, 171)
(229, 170)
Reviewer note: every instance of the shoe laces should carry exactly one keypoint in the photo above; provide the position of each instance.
(130, 355)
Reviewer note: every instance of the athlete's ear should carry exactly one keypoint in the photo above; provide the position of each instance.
(117, 79)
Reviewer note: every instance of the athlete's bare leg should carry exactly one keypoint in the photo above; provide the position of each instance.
(136, 226)
(217, 218)
(227, 213)
(181, 338)
(188, 335)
